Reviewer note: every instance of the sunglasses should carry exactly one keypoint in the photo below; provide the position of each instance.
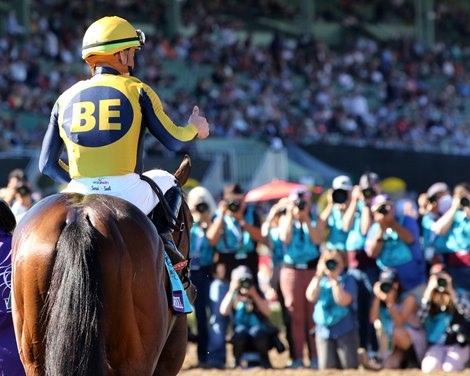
(141, 36)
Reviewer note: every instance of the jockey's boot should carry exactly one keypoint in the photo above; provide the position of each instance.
(174, 198)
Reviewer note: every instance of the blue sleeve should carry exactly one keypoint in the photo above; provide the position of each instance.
(50, 163)
(174, 137)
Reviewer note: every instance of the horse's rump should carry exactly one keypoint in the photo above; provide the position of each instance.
(90, 269)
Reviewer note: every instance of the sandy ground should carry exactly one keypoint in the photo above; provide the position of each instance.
(279, 361)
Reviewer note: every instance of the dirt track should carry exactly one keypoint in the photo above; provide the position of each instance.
(279, 361)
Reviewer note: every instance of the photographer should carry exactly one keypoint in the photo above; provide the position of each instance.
(454, 227)
(432, 205)
(445, 313)
(235, 233)
(338, 198)
(249, 311)
(394, 242)
(334, 294)
(202, 206)
(396, 310)
(301, 238)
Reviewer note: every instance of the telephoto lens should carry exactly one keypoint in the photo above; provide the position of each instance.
(340, 196)
(383, 210)
(246, 283)
(386, 287)
(233, 205)
(441, 282)
(464, 201)
(331, 264)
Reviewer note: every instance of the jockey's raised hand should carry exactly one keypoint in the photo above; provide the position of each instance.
(200, 122)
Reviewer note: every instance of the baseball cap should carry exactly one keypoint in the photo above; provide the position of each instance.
(436, 188)
(299, 193)
(388, 275)
(233, 191)
(342, 182)
(241, 272)
(437, 268)
(380, 200)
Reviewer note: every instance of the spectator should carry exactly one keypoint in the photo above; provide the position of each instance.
(301, 238)
(445, 313)
(250, 311)
(338, 200)
(16, 177)
(202, 206)
(234, 233)
(23, 201)
(396, 310)
(453, 226)
(271, 237)
(432, 204)
(334, 294)
(357, 220)
(394, 242)
(10, 363)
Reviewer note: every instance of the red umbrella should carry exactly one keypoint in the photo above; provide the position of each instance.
(273, 191)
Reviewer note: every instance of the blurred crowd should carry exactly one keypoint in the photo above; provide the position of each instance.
(362, 279)
(388, 94)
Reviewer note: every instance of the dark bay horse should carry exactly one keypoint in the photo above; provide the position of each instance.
(90, 289)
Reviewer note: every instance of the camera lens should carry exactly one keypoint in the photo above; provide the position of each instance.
(441, 282)
(383, 210)
(246, 283)
(464, 201)
(233, 205)
(331, 264)
(301, 204)
(202, 207)
(368, 193)
(340, 196)
(385, 287)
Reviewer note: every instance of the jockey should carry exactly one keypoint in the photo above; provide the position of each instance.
(102, 122)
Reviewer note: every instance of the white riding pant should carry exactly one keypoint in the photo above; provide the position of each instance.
(129, 187)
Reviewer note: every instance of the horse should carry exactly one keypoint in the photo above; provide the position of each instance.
(91, 293)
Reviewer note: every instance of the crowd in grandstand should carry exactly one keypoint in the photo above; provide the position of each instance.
(389, 94)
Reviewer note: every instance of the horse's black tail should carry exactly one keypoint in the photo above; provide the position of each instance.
(74, 340)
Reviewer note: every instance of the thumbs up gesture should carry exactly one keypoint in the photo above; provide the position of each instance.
(200, 122)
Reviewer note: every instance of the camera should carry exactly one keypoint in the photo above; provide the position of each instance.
(441, 282)
(382, 209)
(464, 201)
(202, 207)
(368, 193)
(233, 205)
(301, 204)
(386, 287)
(331, 264)
(340, 196)
(246, 283)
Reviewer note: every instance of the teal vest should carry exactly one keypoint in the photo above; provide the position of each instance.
(301, 249)
(395, 251)
(327, 312)
(436, 326)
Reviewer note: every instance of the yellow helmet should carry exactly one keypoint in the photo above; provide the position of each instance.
(109, 35)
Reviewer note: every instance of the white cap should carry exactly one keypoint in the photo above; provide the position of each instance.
(342, 182)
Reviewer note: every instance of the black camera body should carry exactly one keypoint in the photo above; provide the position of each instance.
(386, 286)
(369, 193)
(233, 205)
(301, 204)
(441, 282)
(340, 196)
(246, 283)
(331, 264)
(383, 209)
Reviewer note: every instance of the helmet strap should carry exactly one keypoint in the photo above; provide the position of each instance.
(109, 60)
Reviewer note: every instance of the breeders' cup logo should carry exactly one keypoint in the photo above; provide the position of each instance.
(97, 116)
(5, 288)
